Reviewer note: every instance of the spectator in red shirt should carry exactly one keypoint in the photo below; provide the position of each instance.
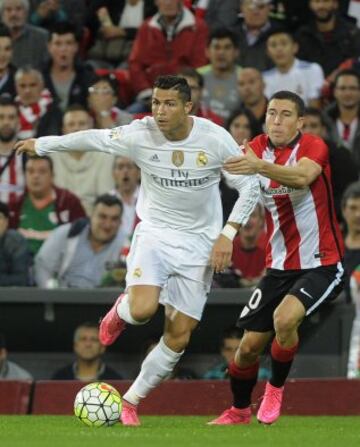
(249, 249)
(169, 40)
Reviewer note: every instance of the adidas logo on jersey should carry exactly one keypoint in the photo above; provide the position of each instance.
(154, 157)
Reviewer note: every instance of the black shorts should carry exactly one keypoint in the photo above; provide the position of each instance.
(312, 287)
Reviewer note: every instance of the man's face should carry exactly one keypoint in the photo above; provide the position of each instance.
(256, 14)
(29, 87)
(87, 345)
(104, 223)
(9, 123)
(351, 213)
(222, 54)
(101, 93)
(14, 14)
(169, 8)
(126, 174)
(38, 176)
(4, 223)
(282, 121)
(62, 49)
(229, 348)
(5, 52)
(313, 125)
(347, 91)
(281, 49)
(323, 9)
(169, 110)
(250, 86)
(76, 120)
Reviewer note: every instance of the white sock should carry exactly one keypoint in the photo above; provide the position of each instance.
(123, 310)
(157, 366)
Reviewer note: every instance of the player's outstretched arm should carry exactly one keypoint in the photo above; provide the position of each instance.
(97, 140)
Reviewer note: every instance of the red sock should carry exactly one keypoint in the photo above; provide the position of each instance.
(283, 354)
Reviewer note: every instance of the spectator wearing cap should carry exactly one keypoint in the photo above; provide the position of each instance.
(14, 255)
(10, 370)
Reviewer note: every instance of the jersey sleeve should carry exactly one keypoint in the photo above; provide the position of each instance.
(316, 150)
(116, 141)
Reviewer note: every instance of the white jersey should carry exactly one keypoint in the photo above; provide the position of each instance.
(179, 178)
(304, 78)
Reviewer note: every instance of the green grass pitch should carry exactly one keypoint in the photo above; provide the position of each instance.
(176, 431)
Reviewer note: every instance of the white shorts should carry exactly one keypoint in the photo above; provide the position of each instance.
(176, 262)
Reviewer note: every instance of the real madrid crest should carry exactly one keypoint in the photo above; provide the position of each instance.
(202, 159)
(137, 272)
(177, 158)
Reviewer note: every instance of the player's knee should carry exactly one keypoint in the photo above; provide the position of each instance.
(283, 323)
(249, 350)
(141, 312)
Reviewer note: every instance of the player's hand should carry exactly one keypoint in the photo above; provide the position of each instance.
(25, 146)
(221, 253)
(246, 164)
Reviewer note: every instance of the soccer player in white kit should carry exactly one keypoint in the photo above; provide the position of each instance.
(179, 241)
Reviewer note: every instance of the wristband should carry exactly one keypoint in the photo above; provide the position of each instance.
(229, 231)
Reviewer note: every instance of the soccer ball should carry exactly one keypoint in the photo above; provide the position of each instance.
(98, 405)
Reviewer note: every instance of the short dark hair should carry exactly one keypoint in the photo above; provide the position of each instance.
(313, 111)
(85, 325)
(351, 192)
(190, 72)
(109, 200)
(4, 31)
(347, 72)
(110, 79)
(172, 82)
(7, 100)
(292, 97)
(64, 28)
(280, 30)
(43, 157)
(223, 33)
(4, 209)
(76, 108)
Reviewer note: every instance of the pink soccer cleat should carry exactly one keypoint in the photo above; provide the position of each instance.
(111, 325)
(129, 414)
(270, 407)
(233, 416)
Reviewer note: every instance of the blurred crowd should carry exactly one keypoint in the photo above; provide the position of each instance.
(68, 65)
(67, 220)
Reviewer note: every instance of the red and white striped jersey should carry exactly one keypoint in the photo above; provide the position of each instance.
(301, 224)
(12, 181)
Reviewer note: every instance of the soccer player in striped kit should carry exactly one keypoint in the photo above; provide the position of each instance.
(304, 252)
